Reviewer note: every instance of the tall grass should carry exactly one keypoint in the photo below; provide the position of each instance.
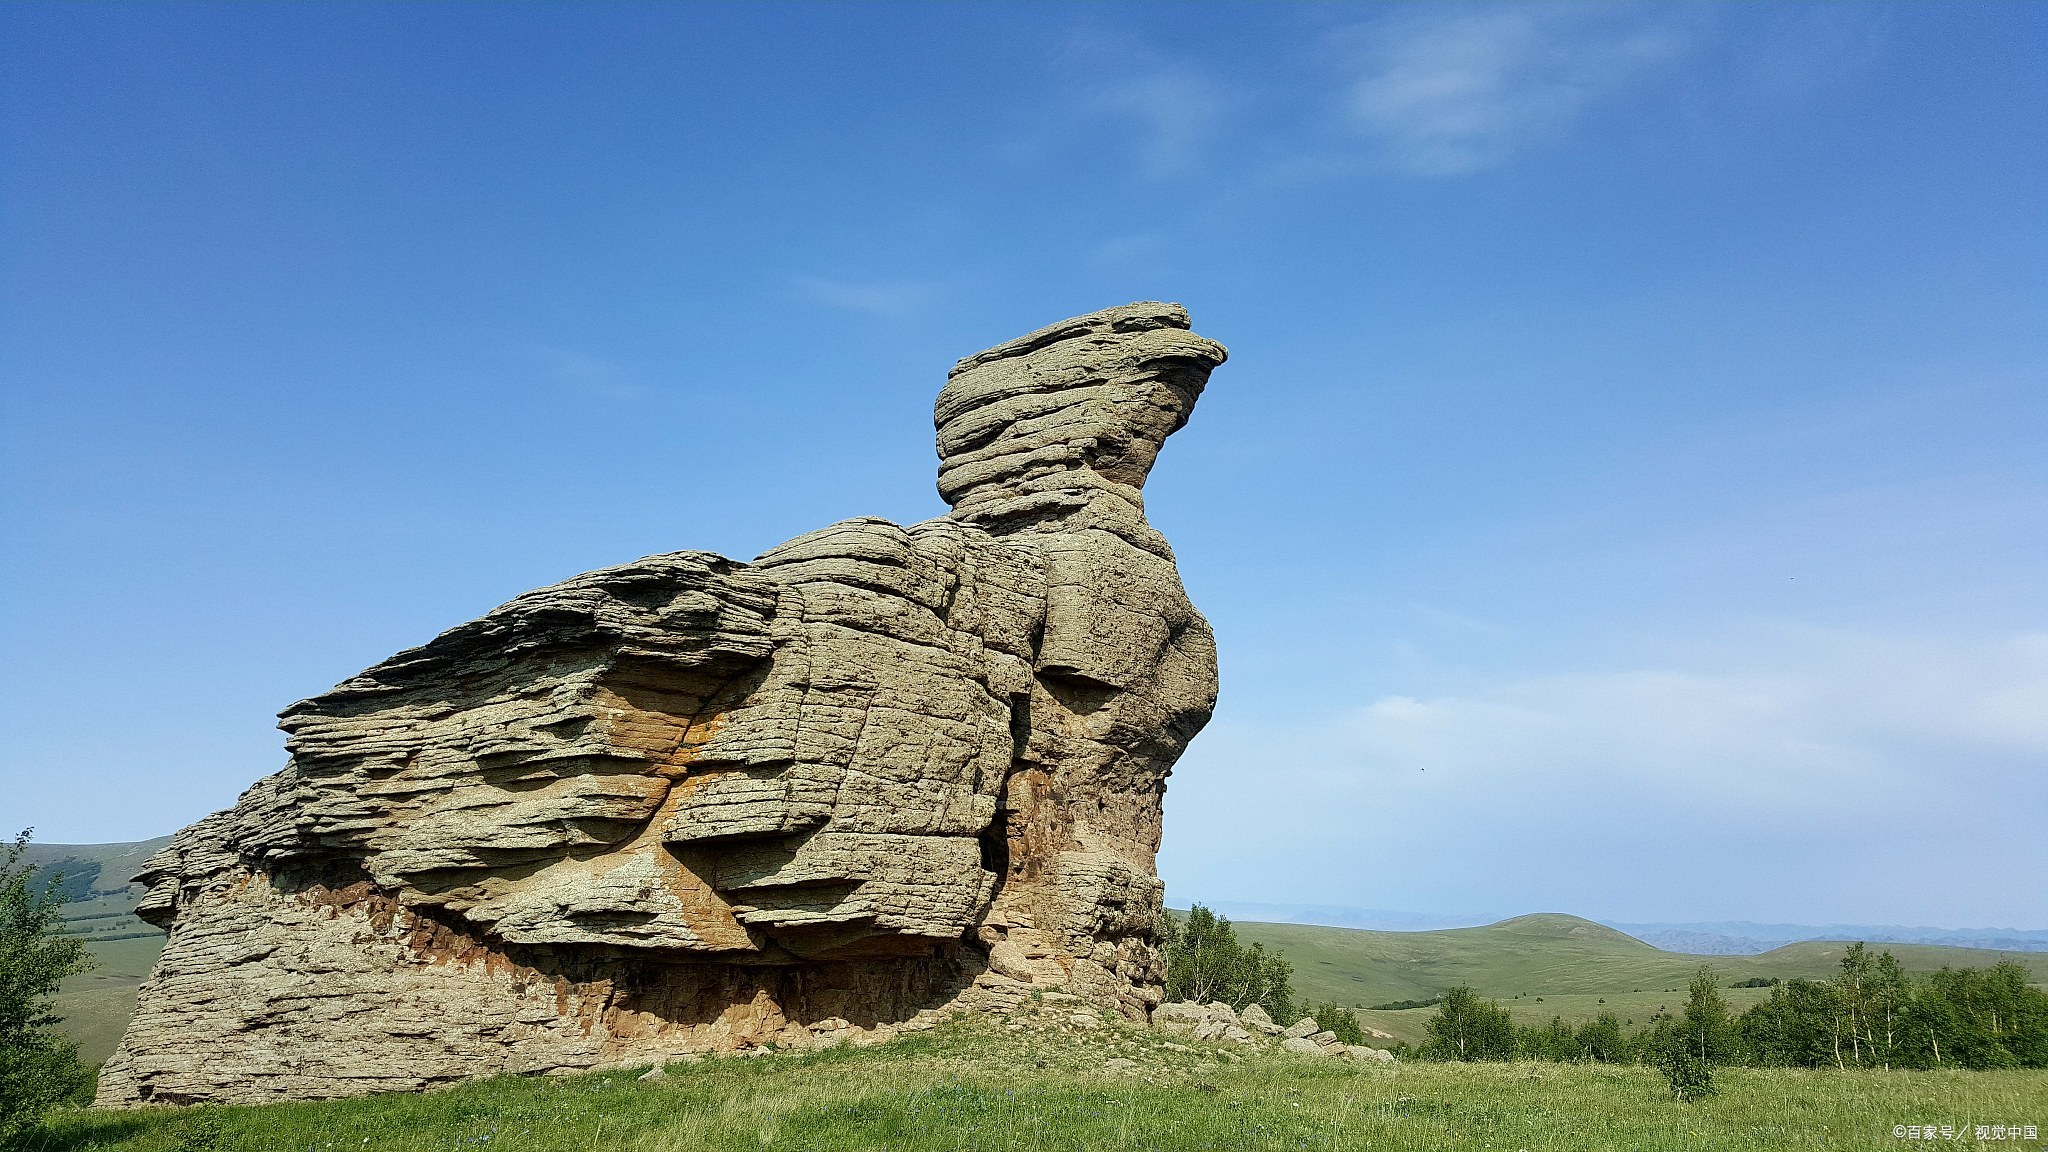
(976, 1086)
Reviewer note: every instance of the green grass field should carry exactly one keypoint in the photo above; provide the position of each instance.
(1571, 964)
(976, 1085)
(96, 1005)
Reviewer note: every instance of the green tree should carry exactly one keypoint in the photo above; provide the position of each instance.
(1853, 992)
(1201, 954)
(1871, 1015)
(1929, 1031)
(1266, 980)
(1339, 1020)
(37, 1067)
(1706, 1030)
(1552, 1041)
(1204, 962)
(1467, 1027)
(1870, 996)
(1601, 1039)
(2025, 1025)
(1796, 1027)
(1886, 995)
(1978, 1018)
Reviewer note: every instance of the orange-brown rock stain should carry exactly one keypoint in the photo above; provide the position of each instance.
(672, 741)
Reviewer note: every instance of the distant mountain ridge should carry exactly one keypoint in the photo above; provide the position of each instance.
(1339, 916)
(1698, 938)
(1743, 938)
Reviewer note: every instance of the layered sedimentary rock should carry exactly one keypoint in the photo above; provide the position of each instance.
(691, 804)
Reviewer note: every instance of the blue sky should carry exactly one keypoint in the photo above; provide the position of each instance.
(1626, 495)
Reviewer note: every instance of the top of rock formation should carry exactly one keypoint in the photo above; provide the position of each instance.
(1067, 421)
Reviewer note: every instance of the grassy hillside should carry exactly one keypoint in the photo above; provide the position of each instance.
(982, 1085)
(102, 868)
(96, 1005)
(1545, 955)
(1550, 964)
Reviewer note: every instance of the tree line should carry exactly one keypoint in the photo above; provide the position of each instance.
(1870, 1014)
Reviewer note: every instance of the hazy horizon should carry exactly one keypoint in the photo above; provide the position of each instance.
(1410, 920)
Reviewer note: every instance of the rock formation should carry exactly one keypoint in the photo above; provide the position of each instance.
(690, 804)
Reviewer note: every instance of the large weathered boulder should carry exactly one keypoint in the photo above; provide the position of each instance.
(691, 804)
(1302, 1028)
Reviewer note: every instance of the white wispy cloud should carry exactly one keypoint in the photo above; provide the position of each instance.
(1147, 253)
(1820, 722)
(583, 372)
(875, 297)
(1158, 114)
(1172, 112)
(1451, 89)
(1802, 772)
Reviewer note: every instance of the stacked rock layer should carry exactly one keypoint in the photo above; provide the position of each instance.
(691, 804)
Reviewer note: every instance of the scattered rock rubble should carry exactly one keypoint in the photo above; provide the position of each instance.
(1218, 1021)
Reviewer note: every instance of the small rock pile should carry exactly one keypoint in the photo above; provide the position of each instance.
(1218, 1021)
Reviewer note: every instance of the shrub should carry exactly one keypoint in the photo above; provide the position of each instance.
(1690, 1077)
(1601, 1040)
(1552, 1041)
(1332, 1018)
(37, 1067)
(1467, 1027)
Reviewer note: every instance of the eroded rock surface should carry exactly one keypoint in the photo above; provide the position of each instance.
(690, 804)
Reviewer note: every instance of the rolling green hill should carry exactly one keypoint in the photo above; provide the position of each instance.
(1550, 964)
(102, 904)
(94, 869)
(96, 1005)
